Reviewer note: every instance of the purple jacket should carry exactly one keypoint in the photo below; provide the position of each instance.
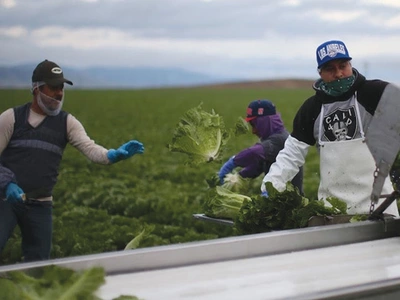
(252, 159)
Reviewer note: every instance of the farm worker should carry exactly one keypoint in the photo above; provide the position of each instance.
(267, 124)
(33, 137)
(335, 119)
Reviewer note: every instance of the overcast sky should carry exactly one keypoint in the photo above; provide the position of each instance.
(236, 38)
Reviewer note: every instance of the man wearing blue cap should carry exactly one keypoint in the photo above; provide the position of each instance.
(335, 119)
(267, 124)
(33, 137)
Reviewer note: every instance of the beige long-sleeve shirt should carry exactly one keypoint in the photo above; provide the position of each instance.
(77, 135)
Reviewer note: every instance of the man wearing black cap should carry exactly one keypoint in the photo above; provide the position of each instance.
(33, 137)
(335, 119)
(267, 124)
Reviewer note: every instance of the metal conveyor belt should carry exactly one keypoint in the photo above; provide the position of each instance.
(303, 274)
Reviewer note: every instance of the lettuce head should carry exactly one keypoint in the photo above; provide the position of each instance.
(201, 135)
(241, 127)
(223, 204)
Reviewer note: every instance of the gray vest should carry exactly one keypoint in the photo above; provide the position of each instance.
(34, 154)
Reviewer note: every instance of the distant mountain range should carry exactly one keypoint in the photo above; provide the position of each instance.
(112, 77)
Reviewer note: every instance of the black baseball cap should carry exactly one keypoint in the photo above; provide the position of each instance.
(259, 108)
(50, 73)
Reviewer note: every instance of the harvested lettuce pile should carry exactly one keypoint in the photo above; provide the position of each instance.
(201, 135)
(53, 282)
(281, 210)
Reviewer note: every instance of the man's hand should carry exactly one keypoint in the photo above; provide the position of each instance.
(226, 168)
(127, 150)
(14, 193)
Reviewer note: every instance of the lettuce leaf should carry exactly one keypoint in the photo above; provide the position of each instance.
(53, 282)
(282, 210)
(201, 135)
(222, 203)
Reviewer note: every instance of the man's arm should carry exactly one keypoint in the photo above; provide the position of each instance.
(78, 138)
(287, 164)
(251, 160)
(7, 121)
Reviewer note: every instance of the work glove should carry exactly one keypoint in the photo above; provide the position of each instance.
(226, 168)
(14, 193)
(125, 151)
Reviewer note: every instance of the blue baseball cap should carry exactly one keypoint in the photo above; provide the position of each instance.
(331, 50)
(259, 108)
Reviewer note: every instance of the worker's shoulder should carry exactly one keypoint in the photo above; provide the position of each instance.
(311, 105)
(371, 90)
(373, 85)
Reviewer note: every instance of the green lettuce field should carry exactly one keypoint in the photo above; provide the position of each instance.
(102, 208)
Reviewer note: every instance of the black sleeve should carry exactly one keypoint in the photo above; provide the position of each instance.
(303, 123)
(369, 94)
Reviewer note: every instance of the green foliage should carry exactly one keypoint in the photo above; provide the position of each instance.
(282, 210)
(233, 182)
(223, 203)
(137, 240)
(213, 180)
(338, 206)
(396, 163)
(359, 218)
(241, 127)
(301, 215)
(102, 208)
(53, 282)
(236, 183)
(200, 135)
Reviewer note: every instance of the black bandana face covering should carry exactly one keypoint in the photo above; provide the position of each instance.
(337, 87)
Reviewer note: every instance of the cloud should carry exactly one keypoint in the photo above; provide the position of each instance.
(8, 3)
(244, 37)
(14, 32)
(389, 3)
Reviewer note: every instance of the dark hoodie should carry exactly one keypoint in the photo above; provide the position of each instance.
(369, 93)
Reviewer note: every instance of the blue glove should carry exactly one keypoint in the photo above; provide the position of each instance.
(264, 194)
(226, 168)
(14, 193)
(125, 151)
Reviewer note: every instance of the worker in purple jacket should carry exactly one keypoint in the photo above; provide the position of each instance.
(267, 124)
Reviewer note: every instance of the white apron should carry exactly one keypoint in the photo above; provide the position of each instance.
(347, 172)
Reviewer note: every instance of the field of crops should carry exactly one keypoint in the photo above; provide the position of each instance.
(101, 208)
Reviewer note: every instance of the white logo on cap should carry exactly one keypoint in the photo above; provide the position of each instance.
(331, 50)
(56, 70)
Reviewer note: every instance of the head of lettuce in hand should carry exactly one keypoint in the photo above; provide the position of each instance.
(221, 203)
(199, 134)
